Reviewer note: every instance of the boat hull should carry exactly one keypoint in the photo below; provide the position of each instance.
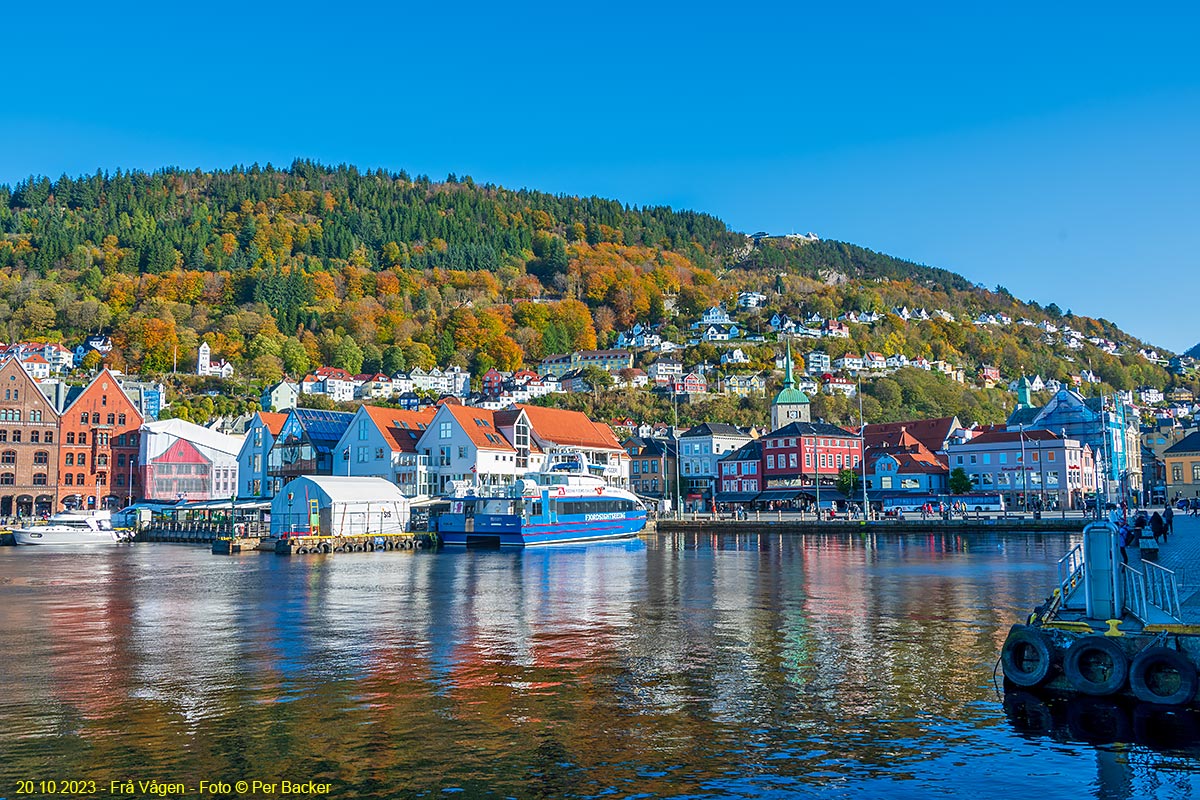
(501, 530)
(33, 536)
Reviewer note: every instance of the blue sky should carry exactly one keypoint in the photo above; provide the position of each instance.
(1048, 149)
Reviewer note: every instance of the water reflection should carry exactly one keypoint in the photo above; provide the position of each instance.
(732, 665)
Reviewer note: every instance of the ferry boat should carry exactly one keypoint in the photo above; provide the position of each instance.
(71, 528)
(568, 501)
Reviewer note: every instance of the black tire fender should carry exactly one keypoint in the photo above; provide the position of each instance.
(1163, 676)
(1027, 658)
(1096, 665)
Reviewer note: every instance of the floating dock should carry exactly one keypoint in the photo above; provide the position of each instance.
(364, 543)
(1116, 627)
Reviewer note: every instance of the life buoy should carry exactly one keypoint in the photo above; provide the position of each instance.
(1096, 665)
(1163, 676)
(1027, 657)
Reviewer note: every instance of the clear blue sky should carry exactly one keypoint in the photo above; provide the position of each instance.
(1048, 147)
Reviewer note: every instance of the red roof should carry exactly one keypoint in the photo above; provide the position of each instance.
(479, 424)
(998, 437)
(932, 433)
(273, 421)
(560, 426)
(401, 429)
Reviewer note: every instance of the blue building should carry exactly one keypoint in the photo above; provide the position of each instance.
(1104, 423)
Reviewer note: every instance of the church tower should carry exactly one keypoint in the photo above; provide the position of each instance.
(791, 404)
(203, 359)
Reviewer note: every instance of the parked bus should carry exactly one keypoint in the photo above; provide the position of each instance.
(980, 501)
(911, 503)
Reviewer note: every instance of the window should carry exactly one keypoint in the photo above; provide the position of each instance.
(121, 421)
(8, 457)
(362, 430)
(7, 479)
(807, 460)
(1050, 456)
(101, 479)
(1035, 456)
(35, 437)
(3, 436)
(68, 479)
(101, 459)
(82, 438)
(39, 479)
(16, 436)
(378, 453)
(49, 437)
(974, 459)
(83, 418)
(462, 451)
(103, 399)
(636, 467)
(444, 430)
(69, 460)
(1195, 473)
(79, 478)
(95, 417)
(362, 454)
(792, 460)
(1176, 473)
(41, 457)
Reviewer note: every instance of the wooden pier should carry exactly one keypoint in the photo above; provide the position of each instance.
(365, 543)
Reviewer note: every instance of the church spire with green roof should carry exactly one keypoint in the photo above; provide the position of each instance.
(791, 404)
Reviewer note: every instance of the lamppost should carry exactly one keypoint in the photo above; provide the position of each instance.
(129, 497)
(675, 436)
(862, 451)
(817, 473)
(1024, 474)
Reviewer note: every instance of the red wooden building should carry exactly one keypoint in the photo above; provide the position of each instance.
(98, 438)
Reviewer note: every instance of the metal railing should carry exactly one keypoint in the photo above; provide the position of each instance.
(1070, 573)
(1151, 590)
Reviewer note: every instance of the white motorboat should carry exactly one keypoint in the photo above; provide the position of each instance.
(71, 528)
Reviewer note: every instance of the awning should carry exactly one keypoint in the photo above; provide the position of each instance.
(790, 493)
(736, 497)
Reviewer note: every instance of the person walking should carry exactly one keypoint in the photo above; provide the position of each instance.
(1169, 520)
(1157, 526)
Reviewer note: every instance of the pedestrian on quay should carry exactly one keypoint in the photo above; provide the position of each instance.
(1169, 519)
(1158, 527)
(1125, 538)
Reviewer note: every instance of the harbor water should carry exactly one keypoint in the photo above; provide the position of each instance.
(699, 666)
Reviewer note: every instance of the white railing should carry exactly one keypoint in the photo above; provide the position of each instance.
(1154, 590)
(1070, 573)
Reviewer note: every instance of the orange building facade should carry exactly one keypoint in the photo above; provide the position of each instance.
(98, 448)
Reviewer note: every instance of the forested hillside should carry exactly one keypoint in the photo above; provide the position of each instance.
(284, 269)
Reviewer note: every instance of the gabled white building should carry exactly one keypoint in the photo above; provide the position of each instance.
(385, 443)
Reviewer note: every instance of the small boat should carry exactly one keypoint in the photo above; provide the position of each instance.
(71, 528)
(568, 501)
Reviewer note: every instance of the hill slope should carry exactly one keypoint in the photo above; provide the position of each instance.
(282, 269)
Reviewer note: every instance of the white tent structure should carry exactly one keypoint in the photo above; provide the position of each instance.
(323, 505)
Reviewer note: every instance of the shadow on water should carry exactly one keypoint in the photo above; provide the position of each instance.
(1103, 721)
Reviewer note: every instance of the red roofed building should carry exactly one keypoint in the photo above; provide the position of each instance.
(903, 465)
(385, 443)
(98, 437)
(934, 434)
(1031, 469)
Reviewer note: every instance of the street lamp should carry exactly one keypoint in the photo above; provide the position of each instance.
(129, 497)
(675, 436)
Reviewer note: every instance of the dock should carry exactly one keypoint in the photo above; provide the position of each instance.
(794, 524)
(1115, 630)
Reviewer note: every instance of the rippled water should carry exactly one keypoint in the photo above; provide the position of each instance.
(730, 666)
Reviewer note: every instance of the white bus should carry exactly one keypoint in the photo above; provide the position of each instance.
(980, 501)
